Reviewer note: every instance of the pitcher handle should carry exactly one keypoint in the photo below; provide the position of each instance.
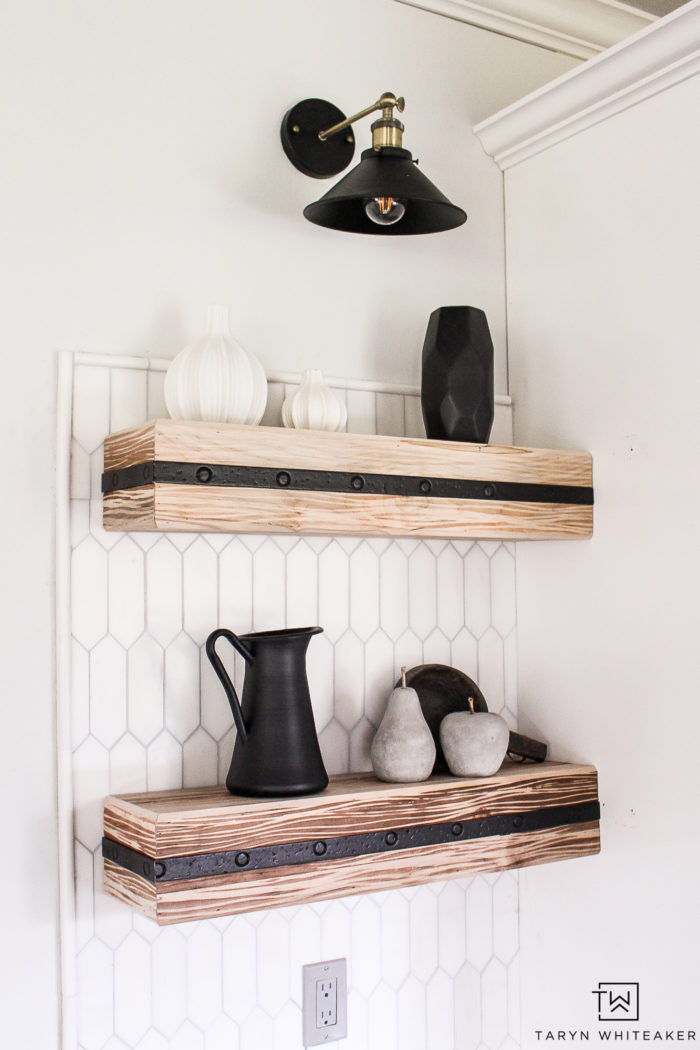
(223, 677)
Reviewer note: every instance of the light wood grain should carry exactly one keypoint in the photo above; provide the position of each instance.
(183, 823)
(129, 447)
(192, 508)
(229, 443)
(187, 508)
(185, 901)
(130, 510)
(138, 893)
(213, 797)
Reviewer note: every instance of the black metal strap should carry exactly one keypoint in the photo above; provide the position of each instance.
(227, 862)
(226, 476)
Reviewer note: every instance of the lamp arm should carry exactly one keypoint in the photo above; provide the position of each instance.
(386, 103)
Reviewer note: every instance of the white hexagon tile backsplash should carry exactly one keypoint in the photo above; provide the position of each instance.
(430, 968)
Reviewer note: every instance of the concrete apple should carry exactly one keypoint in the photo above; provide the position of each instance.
(474, 743)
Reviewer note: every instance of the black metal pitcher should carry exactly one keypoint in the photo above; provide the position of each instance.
(276, 750)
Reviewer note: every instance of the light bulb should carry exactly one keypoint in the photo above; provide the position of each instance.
(385, 211)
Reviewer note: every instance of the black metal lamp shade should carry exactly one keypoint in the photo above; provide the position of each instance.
(386, 173)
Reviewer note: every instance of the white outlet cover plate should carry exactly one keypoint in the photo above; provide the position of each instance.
(312, 974)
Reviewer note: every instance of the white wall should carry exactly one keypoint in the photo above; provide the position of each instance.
(602, 262)
(141, 178)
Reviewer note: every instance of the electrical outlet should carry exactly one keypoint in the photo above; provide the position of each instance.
(326, 1002)
(325, 1006)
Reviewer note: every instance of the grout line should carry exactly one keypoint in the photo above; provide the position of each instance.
(64, 787)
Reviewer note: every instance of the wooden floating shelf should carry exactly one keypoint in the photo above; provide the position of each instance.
(169, 475)
(200, 853)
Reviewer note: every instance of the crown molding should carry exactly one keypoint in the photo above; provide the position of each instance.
(581, 28)
(663, 54)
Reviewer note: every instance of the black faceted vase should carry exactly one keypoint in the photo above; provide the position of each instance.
(457, 380)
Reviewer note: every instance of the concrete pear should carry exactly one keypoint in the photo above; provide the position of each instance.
(403, 750)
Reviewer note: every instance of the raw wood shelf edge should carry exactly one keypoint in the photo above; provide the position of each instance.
(169, 475)
(199, 853)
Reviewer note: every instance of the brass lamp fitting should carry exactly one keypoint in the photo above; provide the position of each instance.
(387, 131)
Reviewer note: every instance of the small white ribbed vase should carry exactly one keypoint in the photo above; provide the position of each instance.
(313, 405)
(215, 379)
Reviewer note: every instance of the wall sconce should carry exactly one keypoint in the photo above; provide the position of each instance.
(386, 193)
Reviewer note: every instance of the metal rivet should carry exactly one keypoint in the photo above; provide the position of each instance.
(242, 859)
(517, 822)
(391, 838)
(320, 848)
(160, 869)
(296, 129)
(146, 471)
(489, 491)
(457, 829)
(425, 486)
(204, 474)
(115, 853)
(283, 478)
(349, 138)
(357, 482)
(115, 478)
(146, 868)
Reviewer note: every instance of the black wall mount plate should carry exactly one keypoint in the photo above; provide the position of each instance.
(300, 127)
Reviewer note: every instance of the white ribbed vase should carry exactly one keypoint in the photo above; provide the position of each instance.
(313, 405)
(215, 379)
